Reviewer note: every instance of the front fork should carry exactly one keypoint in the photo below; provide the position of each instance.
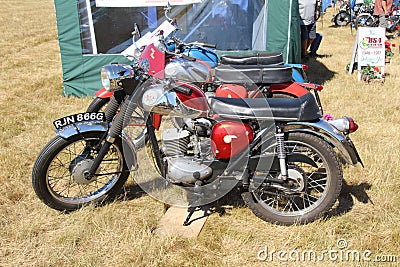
(281, 151)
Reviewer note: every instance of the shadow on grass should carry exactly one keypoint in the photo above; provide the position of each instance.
(346, 200)
(318, 72)
(130, 192)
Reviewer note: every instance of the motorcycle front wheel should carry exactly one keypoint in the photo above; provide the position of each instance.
(98, 104)
(312, 187)
(58, 175)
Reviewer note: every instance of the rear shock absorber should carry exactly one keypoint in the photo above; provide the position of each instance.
(281, 151)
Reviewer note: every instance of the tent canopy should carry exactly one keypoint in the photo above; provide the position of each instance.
(94, 33)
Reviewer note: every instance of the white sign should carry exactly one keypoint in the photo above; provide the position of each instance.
(371, 46)
(369, 49)
(143, 3)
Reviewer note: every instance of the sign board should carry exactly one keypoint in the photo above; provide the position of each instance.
(369, 49)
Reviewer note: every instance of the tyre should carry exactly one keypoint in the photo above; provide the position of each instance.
(342, 18)
(312, 187)
(364, 20)
(136, 127)
(58, 173)
(98, 104)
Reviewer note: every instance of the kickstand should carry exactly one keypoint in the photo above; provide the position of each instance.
(191, 210)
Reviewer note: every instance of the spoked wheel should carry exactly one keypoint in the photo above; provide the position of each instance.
(364, 20)
(342, 19)
(312, 187)
(137, 130)
(98, 104)
(58, 176)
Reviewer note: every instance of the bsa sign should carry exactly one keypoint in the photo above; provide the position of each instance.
(369, 49)
(371, 44)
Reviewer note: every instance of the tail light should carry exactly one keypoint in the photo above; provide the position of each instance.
(304, 67)
(345, 124)
(319, 87)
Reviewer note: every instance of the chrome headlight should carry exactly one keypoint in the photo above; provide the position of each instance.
(113, 74)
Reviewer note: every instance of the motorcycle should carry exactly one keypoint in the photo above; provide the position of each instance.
(343, 17)
(278, 151)
(202, 53)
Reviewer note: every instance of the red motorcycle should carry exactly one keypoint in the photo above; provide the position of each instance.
(278, 151)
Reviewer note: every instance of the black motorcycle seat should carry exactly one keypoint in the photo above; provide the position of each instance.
(255, 58)
(304, 108)
(253, 74)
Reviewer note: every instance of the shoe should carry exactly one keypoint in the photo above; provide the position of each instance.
(312, 54)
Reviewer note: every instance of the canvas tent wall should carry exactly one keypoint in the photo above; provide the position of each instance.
(93, 33)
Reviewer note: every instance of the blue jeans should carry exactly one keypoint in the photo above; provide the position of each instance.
(315, 44)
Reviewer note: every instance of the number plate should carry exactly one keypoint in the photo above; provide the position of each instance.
(80, 117)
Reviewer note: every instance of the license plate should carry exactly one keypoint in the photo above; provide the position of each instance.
(80, 117)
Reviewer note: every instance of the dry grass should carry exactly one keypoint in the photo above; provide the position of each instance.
(119, 233)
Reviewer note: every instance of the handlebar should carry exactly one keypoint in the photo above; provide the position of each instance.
(179, 43)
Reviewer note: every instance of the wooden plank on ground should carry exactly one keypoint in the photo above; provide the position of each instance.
(172, 222)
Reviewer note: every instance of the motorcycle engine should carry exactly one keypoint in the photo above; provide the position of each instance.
(184, 150)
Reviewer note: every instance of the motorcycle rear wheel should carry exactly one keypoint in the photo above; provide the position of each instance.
(321, 182)
(342, 18)
(58, 173)
(364, 20)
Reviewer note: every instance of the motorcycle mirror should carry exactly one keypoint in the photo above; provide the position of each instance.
(167, 10)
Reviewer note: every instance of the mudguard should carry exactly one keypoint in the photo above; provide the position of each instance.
(103, 93)
(129, 149)
(335, 138)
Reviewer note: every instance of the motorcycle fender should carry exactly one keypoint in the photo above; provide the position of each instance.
(103, 93)
(327, 132)
(81, 127)
(96, 126)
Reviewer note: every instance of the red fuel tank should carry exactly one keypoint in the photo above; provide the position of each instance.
(231, 91)
(229, 138)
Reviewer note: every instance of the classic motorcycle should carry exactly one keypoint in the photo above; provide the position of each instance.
(282, 86)
(277, 150)
(343, 17)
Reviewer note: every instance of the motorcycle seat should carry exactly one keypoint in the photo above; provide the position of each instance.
(260, 74)
(303, 108)
(255, 58)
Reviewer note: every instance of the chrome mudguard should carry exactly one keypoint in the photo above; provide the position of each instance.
(81, 127)
(326, 131)
(128, 147)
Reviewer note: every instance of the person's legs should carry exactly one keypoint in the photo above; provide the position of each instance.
(315, 44)
(383, 22)
(304, 40)
(312, 34)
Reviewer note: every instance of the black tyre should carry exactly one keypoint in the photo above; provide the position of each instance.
(137, 130)
(98, 104)
(58, 173)
(364, 20)
(342, 19)
(312, 187)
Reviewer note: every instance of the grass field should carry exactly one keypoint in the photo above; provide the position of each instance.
(365, 221)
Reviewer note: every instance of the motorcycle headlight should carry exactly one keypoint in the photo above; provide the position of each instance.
(112, 75)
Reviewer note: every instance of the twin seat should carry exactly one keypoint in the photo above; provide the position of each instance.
(261, 68)
(256, 67)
